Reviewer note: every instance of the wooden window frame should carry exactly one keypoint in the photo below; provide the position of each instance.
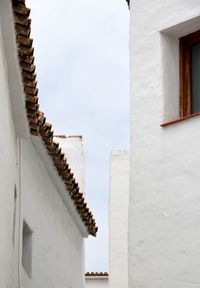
(186, 43)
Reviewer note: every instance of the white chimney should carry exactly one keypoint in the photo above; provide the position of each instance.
(72, 146)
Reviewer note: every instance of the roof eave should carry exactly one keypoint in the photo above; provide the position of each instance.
(37, 121)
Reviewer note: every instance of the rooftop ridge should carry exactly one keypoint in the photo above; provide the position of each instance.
(90, 274)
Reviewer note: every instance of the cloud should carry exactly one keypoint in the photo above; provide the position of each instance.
(81, 50)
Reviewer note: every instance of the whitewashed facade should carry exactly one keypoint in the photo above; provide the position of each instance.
(118, 227)
(96, 281)
(164, 208)
(41, 232)
(118, 219)
(57, 235)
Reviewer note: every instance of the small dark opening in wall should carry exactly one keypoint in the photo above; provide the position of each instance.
(189, 74)
(27, 249)
(195, 75)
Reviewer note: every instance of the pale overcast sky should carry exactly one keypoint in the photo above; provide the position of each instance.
(81, 50)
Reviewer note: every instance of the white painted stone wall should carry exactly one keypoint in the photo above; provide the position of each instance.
(12, 125)
(96, 282)
(8, 177)
(118, 219)
(31, 190)
(57, 247)
(164, 209)
(72, 146)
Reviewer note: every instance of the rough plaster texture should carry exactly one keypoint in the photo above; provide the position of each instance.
(72, 146)
(96, 282)
(118, 219)
(164, 209)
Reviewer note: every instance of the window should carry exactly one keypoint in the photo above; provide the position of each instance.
(27, 249)
(190, 74)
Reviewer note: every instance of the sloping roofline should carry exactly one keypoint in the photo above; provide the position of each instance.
(37, 121)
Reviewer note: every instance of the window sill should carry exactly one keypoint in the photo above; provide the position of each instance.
(180, 119)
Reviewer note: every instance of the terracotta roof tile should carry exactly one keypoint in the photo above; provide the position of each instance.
(96, 274)
(37, 121)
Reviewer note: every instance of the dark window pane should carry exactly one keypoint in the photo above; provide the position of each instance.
(195, 77)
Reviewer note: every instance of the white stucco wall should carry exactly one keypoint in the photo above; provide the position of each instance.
(28, 190)
(118, 219)
(8, 177)
(57, 248)
(10, 129)
(164, 209)
(15, 86)
(72, 146)
(96, 282)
